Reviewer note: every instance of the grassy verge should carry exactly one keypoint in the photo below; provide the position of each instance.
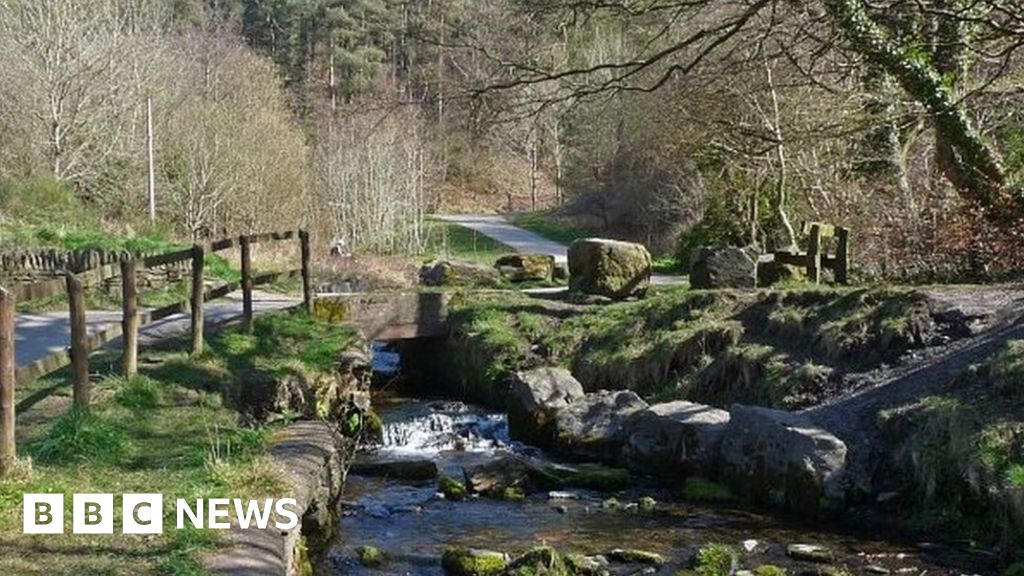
(551, 226)
(446, 240)
(167, 431)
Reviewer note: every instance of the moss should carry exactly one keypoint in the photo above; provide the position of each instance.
(703, 490)
(1007, 368)
(769, 570)
(451, 488)
(468, 562)
(589, 477)
(647, 504)
(512, 494)
(634, 556)
(716, 560)
(540, 561)
(370, 556)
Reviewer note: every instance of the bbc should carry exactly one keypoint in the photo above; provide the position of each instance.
(93, 514)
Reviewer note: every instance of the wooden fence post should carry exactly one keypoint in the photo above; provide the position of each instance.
(307, 280)
(198, 289)
(246, 282)
(8, 450)
(129, 318)
(814, 254)
(79, 350)
(842, 256)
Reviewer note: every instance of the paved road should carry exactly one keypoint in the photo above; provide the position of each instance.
(498, 228)
(39, 335)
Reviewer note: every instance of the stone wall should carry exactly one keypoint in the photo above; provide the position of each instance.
(28, 266)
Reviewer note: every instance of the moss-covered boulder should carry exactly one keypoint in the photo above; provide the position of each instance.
(473, 562)
(609, 268)
(526, 267)
(463, 274)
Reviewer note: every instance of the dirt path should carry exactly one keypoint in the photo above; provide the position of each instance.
(999, 314)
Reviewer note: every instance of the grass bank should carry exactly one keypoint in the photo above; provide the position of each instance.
(784, 349)
(446, 240)
(171, 430)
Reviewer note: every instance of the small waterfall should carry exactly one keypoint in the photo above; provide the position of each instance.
(450, 426)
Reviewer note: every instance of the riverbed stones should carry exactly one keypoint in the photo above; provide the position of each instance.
(676, 437)
(596, 426)
(535, 396)
(781, 458)
(609, 268)
(526, 267)
(724, 267)
(453, 273)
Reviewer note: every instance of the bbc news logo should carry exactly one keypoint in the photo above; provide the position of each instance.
(144, 513)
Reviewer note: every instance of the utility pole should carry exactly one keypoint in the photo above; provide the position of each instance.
(149, 146)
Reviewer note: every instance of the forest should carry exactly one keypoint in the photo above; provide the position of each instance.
(678, 123)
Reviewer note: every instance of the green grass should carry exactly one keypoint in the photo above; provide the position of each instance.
(668, 265)
(551, 226)
(446, 240)
(165, 431)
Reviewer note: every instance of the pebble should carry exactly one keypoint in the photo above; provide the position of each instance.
(809, 553)
(750, 545)
(562, 509)
(563, 496)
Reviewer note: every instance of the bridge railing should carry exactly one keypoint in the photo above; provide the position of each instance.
(82, 343)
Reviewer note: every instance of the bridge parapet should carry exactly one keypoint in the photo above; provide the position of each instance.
(388, 315)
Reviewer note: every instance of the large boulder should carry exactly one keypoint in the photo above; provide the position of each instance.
(676, 437)
(448, 273)
(534, 398)
(609, 268)
(595, 427)
(526, 267)
(781, 458)
(726, 267)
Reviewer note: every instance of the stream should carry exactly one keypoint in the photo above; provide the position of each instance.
(412, 524)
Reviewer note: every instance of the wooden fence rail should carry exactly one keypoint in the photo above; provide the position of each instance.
(83, 343)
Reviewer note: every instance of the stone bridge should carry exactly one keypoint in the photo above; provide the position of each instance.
(388, 315)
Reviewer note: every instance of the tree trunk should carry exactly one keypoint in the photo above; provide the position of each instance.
(975, 167)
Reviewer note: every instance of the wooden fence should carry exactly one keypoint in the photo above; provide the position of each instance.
(83, 343)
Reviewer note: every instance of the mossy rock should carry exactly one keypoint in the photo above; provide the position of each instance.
(716, 560)
(526, 267)
(370, 556)
(452, 488)
(473, 562)
(412, 470)
(769, 570)
(702, 490)
(634, 556)
(540, 561)
(647, 504)
(609, 268)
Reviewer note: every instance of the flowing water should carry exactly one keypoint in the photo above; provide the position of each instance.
(412, 524)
